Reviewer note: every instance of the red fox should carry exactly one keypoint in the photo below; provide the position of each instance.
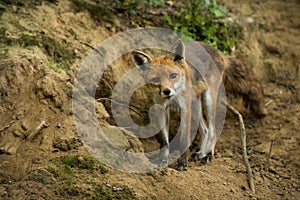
(172, 77)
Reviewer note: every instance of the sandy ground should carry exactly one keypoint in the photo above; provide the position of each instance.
(37, 126)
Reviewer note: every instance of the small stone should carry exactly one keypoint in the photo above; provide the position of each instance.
(24, 126)
(18, 134)
(80, 159)
(42, 176)
(8, 149)
(115, 189)
(12, 150)
(170, 3)
(36, 161)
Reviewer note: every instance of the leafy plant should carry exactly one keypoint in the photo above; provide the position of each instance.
(203, 20)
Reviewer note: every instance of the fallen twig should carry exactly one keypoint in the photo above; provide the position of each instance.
(244, 149)
(269, 103)
(7, 126)
(37, 130)
(268, 157)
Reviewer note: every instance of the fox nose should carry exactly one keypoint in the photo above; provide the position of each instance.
(167, 92)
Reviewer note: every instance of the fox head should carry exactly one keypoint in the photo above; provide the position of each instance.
(166, 73)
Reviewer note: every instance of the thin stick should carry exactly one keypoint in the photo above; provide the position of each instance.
(268, 157)
(244, 149)
(7, 126)
(269, 103)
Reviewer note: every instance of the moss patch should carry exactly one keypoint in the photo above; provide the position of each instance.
(66, 165)
(98, 11)
(56, 50)
(25, 3)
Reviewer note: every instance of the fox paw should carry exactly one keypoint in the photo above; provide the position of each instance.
(163, 163)
(205, 159)
(182, 167)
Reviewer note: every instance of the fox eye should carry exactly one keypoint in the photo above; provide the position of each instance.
(155, 80)
(173, 75)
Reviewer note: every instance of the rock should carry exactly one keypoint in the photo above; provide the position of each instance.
(41, 175)
(8, 149)
(80, 159)
(135, 144)
(116, 137)
(67, 144)
(18, 134)
(101, 111)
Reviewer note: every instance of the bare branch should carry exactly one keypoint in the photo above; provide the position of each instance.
(7, 126)
(244, 149)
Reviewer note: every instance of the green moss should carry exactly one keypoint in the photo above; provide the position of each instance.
(65, 144)
(22, 3)
(55, 172)
(98, 11)
(79, 162)
(67, 164)
(56, 50)
(25, 3)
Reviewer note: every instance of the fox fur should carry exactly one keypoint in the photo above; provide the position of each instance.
(171, 76)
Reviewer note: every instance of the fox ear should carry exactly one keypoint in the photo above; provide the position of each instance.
(178, 51)
(141, 60)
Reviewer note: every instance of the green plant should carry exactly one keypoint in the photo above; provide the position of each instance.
(203, 20)
(65, 165)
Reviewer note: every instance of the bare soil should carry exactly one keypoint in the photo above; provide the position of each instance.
(42, 46)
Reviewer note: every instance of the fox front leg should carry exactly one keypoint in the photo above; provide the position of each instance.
(185, 128)
(164, 137)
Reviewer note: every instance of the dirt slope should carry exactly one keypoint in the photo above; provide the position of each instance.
(41, 157)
